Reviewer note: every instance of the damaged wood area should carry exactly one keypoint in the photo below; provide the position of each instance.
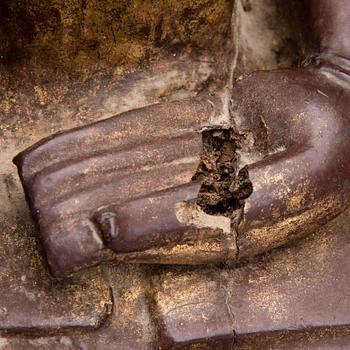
(110, 190)
(224, 186)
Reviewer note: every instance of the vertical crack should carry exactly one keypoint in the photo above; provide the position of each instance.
(235, 34)
(224, 186)
(227, 296)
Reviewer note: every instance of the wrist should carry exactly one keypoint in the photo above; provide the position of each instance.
(335, 67)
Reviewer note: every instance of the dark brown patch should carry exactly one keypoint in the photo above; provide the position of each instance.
(224, 187)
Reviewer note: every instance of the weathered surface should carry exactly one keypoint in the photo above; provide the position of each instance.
(223, 185)
(33, 302)
(302, 178)
(132, 170)
(40, 96)
(85, 36)
(276, 302)
(190, 311)
(129, 325)
(293, 298)
(297, 126)
(65, 64)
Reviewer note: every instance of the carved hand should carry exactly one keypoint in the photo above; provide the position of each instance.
(123, 187)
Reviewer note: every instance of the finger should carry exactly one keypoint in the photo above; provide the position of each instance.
(122, 131)
(72, 175)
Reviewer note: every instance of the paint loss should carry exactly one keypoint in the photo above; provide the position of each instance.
(224, 186)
